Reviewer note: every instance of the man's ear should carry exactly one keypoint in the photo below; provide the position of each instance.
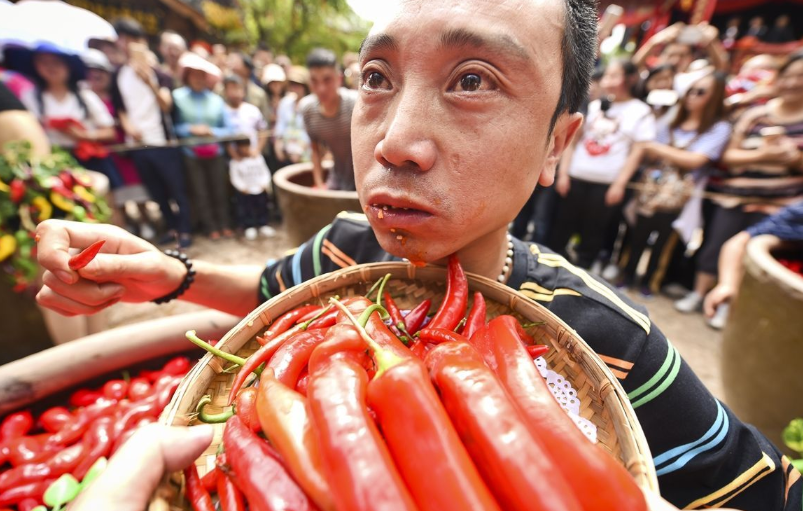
(566, 128)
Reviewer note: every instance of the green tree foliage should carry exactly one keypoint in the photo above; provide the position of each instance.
(296, 26)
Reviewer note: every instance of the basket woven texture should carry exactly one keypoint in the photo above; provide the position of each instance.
(603, 401)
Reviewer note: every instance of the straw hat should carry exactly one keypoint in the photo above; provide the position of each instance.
(298, 74)
(193, 61)
(273, 73)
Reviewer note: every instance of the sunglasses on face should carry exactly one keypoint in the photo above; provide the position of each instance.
(693, 92)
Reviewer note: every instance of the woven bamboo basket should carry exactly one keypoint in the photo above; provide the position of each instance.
(603, 401)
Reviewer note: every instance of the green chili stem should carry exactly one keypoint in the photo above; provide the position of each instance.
(536, 323)
(321, 313)
(385, 359)
(234, 359)
(366, 314)
(217, 418)
(460, 324)
(381, 292)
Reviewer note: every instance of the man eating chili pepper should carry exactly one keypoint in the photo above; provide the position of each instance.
(463, 107)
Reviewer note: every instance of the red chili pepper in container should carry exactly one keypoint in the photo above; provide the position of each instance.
(85, 256)
(28, 504)
(598, 481)
(76, 428)
(285, 419)
(61, 463)
(115, 389)
(196, 493)
(476, 316)
(17, 494)
(325, 321)
(454, 303)
(537, 350)
(97, 443)
(231, 499)
(258, 473)
(209, 480)
(84, 397)
(439, 335)
(178, 366)
(284, 322)
(293, 356)
(415, 318)
(16, 425)
(138, 388)
(53, 419)
(357, 463)
(303, 381)
(31, 449)
(246, 407)
(496, 436)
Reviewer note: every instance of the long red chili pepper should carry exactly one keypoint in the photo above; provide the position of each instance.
(61, 463)
(31, 449)
(454, 303)
(258, 473)
(598, 481)
(438, 335)
(246, 407)
(17, 494)
(378, 330)
(415, 318)
(285, 419)
(325, 321)
(284, 322)
(357, 464)
(476, 316)
(416, 427)
(85, 256)
(303, 381)
(537, 350)
(209, 480)
(196, 493)
(419, 349)
(293, 356)
(231, 499)
(396, 317)
(16, 425)
(97, 443)
(53, 419)
(496, 436)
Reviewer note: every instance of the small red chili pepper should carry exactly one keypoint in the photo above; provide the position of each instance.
(308, 317)
(138, 388)
(258, 472)
(231, 499)
(151, 376)
(395, 315)
(438, 335)
(178, 366)
(115, 389)
(76, 428)
(17, 494)
(16, 425)
(17, 191)
(209, 480)
(196, 493)
(537, 350)
(245, 406)
(151, 406)
(284, 323)
(28, 504)
(289, 360)
(419, 349)
(97, 443)
(53, 419)
(30, 449)
(84, 397)
(85, 256)
(325, 321)
(454, 303)
(62, 462)
(476, 316)
(415, 318)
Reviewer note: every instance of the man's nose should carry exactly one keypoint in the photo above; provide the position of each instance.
(408, 140)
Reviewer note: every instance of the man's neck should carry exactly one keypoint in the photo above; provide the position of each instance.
(485, 256)
(330, 108)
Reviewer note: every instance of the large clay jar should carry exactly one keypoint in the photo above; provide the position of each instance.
(306, 210)
(763, 340)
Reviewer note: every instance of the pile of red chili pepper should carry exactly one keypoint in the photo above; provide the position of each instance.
(37, 451)
(795, 265)
(358, 406)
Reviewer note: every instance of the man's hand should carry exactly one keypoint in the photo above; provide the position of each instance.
(144, 72)
(716, 297)
(615, 194)
(669, 34)
(563, 184)
(200, 130)
(785, 152)
(136, 469)
(710, 34)
(128, 268)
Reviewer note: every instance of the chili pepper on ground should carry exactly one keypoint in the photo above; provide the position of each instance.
(293, 356)
(17, 191)
(16, 425)
(97, 444)
(476, 316)
(209, 480)
(115, 389)
(439, 335)
(598, 481)
(84, 257)
(496, 436)
(454, 303)
(258, 473)
(84, 397)
(17, 494)
(53, 419)
(196, 493)
(285, 420)
(61, 463)
(231, 499)
(415, 318)
(537, 350)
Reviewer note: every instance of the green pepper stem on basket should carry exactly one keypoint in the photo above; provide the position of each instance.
(217, 418)
(234, 359)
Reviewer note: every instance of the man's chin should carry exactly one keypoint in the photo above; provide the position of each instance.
(410, 247)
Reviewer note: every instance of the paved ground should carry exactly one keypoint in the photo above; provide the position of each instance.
(697, 343)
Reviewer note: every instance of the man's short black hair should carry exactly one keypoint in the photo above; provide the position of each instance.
(232, 78)
(578, 52)
(129, 27)
(321, 57)
(247, 62)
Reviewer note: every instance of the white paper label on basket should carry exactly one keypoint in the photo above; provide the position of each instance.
(566, 397)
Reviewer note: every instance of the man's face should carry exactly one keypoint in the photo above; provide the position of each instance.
(324, 82)
(679, 56)
(236, 65)
(235, 94)
(452, 120)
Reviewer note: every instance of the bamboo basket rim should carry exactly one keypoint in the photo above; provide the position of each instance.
(636, 456)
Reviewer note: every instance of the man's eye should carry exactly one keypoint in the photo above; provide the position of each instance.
(473, 82)
(374, 80)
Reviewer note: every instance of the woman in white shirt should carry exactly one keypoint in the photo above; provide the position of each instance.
(595, 159)
(73, 116)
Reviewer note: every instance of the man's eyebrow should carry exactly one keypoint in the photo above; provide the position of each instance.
(502, 44)
(378, 42)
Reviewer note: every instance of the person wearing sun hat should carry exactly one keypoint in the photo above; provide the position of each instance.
(292, 144)
(199, 112)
